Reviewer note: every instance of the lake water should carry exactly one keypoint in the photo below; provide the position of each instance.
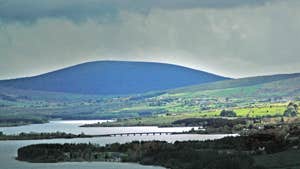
(8, 149)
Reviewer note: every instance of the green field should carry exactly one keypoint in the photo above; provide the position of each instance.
(266, 110)
(254, 111)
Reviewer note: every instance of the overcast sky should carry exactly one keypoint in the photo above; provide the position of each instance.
(235, 38)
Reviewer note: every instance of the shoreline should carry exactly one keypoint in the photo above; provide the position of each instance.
(262, 144)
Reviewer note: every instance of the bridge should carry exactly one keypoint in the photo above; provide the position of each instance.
(135, 134)
(142, 133)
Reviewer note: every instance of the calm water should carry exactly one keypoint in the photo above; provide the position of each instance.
(8, 149)
(72, 127)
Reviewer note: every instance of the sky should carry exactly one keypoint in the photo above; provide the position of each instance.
(233, 38)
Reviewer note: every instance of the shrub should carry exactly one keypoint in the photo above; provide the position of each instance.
(228, 113)
(291, 110)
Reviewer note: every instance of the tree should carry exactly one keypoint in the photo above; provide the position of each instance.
(228, 113)
(291, 110)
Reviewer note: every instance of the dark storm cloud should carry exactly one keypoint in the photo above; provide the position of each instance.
(102, 10)
(75, 10)
(235, 38)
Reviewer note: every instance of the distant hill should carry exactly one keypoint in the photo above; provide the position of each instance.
(238, 83)
(272, 86)
(114, 78)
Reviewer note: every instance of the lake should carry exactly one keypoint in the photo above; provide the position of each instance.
(8, 149)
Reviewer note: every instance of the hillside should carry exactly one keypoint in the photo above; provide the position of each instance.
(235, 83)
(241, 92)
(114, 78)
(249, 97)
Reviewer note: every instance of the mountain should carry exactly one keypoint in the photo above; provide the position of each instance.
(114, 78)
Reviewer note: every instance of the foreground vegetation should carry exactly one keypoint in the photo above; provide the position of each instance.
(242, 152)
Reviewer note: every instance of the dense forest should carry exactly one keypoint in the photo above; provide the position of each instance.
(9, 122)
